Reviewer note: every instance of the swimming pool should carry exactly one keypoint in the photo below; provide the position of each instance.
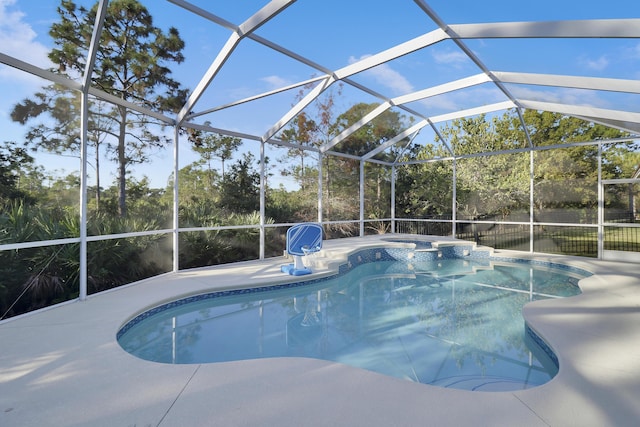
(451, 321)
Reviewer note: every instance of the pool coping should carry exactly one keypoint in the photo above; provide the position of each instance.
(64, 367)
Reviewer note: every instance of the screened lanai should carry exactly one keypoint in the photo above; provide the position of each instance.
(142, 138)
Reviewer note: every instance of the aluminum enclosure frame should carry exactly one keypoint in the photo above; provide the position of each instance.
(627, 121)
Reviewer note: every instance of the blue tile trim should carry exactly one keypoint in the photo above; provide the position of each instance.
(212, 295)
(542, 344)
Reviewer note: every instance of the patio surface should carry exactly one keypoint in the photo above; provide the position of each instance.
(63, 366)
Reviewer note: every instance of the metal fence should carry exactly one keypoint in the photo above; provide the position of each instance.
(498, 236)
(554, 239)
(622, 238)
(432, 227)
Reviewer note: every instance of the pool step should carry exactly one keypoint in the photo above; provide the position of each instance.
(330, 259)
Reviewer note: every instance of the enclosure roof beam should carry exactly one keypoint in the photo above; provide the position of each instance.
(406, 133)
(362, 65)
(357, 125)
(527, 135)
(256, 97)
(627, 120)
(504, 105)
(265, 14)
(204, 14)
(633, 128)
(228, 25)
(251, 24)
(395, 52)
(74, 85)
(575, 82)
(40, 72)
(130, 105)
(606, 84)
(94, 44)
(214, 68)
(452, 31)
(442, 89)
(592, 28)
(442, 138)
(207, 128)
(301, 105)
(518, 150)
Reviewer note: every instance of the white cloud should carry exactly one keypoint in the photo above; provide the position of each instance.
(597, 64)
(449, 57)
(386, 76)
(275, 82)
(17, 39)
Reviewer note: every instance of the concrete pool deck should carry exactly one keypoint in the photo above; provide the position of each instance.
(63, 366)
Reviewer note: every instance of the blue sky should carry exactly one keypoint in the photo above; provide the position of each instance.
(334, 34)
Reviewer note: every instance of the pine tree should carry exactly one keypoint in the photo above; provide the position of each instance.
(132, 64)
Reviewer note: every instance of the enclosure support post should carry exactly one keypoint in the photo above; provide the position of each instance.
(393, 198)
(101, 12)
(176, 203)
(263, 184)
(320, 187)
(361, 198)
(600, 205)
(84, 123)
(454, 198)
(531, 199)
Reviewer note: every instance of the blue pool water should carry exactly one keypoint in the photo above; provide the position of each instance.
(447, 322)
